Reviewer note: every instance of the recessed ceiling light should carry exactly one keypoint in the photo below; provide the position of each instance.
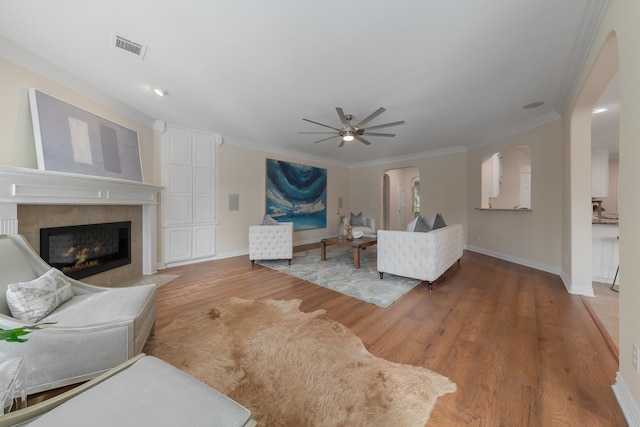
(533, 105)
(600, 110)
(160, 92)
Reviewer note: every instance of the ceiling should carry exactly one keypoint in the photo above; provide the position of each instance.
(457, 71)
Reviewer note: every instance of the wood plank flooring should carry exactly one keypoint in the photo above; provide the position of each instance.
(522, 351)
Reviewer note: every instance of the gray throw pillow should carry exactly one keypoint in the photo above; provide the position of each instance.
(438, 222)
(267, 220)
(422, 225)
(357, 220)
(412, 225)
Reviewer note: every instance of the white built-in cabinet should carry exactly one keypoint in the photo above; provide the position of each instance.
(496, 174)
(600, 173)
(189, 211)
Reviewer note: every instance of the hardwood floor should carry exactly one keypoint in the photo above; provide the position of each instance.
(522, 351)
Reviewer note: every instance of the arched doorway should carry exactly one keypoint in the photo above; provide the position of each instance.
(400, 197)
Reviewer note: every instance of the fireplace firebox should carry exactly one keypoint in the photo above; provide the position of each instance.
(84, 250)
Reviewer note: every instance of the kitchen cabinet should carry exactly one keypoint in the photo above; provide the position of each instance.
(600, 173)
(496, 175)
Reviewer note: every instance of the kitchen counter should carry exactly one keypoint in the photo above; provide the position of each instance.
(604, 251)
(611, 219)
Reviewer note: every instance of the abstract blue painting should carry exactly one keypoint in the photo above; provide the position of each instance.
(297, 193)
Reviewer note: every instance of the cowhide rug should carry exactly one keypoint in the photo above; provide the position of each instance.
(296, 369)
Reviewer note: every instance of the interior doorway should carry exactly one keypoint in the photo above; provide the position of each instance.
(400, 197)
(584, 133)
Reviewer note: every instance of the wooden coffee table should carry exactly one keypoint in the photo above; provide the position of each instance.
(356, 244)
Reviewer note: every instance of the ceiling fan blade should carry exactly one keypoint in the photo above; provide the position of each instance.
(380, 134)
(361, 139)
(320, 140)
(386, 125)
(316, 133)
(343, 119)
(327, 126)
(371, 116)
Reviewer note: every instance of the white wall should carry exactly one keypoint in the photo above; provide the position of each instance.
(617, 42)
(443, 186)
(243, 172)
(529, 238)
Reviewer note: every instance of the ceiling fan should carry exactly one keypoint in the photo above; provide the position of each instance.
(349, 132)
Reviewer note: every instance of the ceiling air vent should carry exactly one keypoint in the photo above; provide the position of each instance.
(132, 47)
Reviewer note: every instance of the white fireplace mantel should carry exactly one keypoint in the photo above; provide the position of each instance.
(37, 187)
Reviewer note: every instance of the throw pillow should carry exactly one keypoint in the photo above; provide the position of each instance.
(357, 220)
(438, 222)
(267, 220)
(412, 225)
(422, 225)
(31, 301)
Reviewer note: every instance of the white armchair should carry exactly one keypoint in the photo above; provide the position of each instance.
(271, 242)
(94, 331)
(367, 225)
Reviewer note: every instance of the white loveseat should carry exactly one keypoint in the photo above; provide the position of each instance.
(419, 255)
(94, 331)
(271, 242)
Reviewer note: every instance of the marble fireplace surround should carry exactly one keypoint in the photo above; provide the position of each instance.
(23, 186)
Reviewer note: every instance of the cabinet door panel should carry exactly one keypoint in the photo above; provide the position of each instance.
(178, 210)
(204, 150)
(176, 147)
(203, 200)
(178, 180)
(203, 209)
(204, 241)
(177, 244)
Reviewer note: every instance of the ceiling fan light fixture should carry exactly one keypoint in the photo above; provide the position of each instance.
(348, 136)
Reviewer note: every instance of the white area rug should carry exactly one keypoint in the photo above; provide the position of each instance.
(337, 273)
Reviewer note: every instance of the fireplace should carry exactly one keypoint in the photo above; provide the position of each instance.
(84, 250)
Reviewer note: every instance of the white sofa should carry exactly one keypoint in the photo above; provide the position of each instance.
(271, 242)
(423, 256)
(94, 331)
(144, 391)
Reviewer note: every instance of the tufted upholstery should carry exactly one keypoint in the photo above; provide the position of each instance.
(367, 230)
(94, 331)
(423, 256)
(271, 242)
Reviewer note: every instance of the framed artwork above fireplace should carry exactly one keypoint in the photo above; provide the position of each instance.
(69, 139)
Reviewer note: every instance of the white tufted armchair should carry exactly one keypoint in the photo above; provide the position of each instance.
(271, 242)
(94, 331)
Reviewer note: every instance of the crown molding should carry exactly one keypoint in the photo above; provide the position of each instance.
(590, 25)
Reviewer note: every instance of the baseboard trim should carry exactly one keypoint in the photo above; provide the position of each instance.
(626, 402)
(516, 260)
